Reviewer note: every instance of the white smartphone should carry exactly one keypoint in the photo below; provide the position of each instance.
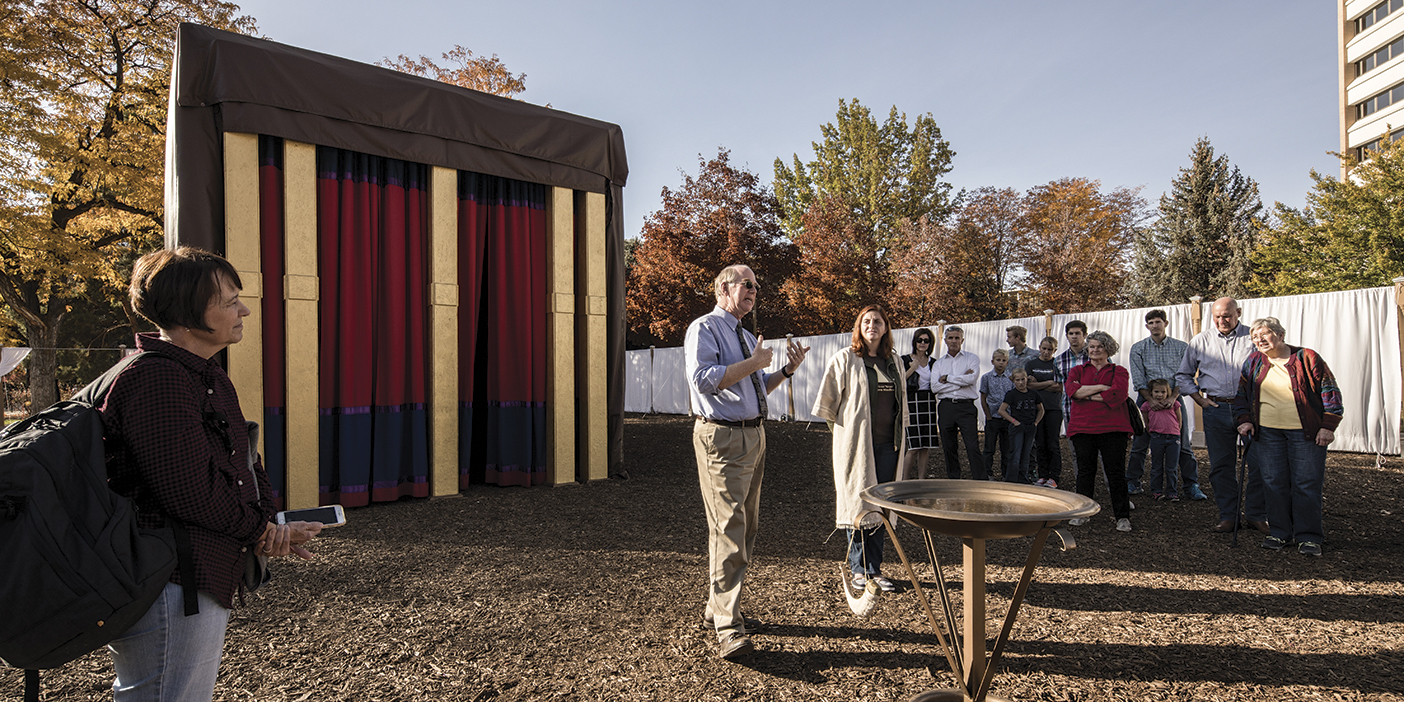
(329, 516)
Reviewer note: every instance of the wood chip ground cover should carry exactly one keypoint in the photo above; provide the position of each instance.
(594, 592)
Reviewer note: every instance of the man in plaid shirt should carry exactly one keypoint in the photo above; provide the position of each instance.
(1076, 355)
(1159, 356)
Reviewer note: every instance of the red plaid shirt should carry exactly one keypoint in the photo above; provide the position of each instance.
(166, 451)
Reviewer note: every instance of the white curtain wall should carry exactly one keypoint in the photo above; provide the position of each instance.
(1356, 331)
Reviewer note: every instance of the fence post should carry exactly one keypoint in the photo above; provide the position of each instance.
(1047, 324)
(1196, 315)
(651, 349)
(1399, 314)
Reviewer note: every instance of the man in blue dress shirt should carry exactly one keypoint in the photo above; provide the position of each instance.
(728, 382)
(1209, 375)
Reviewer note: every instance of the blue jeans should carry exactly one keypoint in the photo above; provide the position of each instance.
(167, 656)
(865, 545)
(1189, 465)
(1164, 451)
(1021, 440)
(1294, 468)
(1221, 438)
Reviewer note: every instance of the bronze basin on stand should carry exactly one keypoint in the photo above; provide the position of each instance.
(974, 511)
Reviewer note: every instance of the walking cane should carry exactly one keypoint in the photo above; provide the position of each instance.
(1246, 440)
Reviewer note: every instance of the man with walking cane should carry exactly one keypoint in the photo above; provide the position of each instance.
(1209, 375)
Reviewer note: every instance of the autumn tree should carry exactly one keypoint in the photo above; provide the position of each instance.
(960, 270)
(1203, 241)
(722, 216)
(484, 73)
(1350, 234)
(840, 270)
(1075, 255)
(85, 87)
(883, 174)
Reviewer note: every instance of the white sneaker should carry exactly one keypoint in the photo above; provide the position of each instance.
(1077, 522)
(884, 584)
(860, 581)
(1123, 524)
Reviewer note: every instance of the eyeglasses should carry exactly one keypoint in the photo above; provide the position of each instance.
(749, 285)
(923, 340)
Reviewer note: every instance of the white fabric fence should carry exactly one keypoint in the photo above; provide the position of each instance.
(1356, 331)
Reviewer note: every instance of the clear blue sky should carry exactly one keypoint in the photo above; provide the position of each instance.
(1025, 91)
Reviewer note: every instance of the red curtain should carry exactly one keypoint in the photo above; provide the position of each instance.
(372, 233)
(503, 351)
(270, 224)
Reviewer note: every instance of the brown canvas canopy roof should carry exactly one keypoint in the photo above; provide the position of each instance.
(222, 81)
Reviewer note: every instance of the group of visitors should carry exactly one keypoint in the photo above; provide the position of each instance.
(888, 411)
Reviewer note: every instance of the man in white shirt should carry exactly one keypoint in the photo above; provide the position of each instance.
(953, 380)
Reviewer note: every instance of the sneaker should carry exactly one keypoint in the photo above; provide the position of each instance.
(884, 584)
(1194, 492)
(1040, 481)
(1272, 543)
(1133, 488)
(1157, 496)
(1050, 483)
(860, 581)
(1309, 548)
(1077, 522)
(1173, 498)
(1123, 524)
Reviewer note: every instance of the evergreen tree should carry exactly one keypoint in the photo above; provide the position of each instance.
(1350, 234)
(883, 174)
(1203, 241)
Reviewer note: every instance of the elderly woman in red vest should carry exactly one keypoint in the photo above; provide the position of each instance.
(1289, 403)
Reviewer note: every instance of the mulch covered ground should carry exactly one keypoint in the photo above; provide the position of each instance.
(594, 592)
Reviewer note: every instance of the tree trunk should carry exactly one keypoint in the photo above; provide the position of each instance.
(43, 364)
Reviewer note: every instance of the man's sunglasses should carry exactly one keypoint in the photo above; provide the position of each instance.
(749, 285)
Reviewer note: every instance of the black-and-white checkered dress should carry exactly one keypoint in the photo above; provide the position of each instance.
(921, 403)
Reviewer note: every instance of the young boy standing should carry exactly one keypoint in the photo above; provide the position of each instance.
(993, 386)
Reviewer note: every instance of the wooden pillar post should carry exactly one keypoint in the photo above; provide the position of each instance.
(1197, 325)
(242, 250)
(790, 384)
(560, 332)
(1047, 324)
(1399, 313)
(301, 292)
(443, 332)
(591, 372)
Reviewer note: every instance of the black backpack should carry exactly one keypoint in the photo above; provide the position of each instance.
(80, 572)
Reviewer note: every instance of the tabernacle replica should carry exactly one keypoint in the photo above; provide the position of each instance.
(436, 273)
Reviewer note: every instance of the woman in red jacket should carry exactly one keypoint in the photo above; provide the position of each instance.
(1098, 424)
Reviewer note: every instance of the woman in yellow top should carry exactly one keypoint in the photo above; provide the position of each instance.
(1289, 403)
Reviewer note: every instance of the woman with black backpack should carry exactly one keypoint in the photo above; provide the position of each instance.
(177, 445)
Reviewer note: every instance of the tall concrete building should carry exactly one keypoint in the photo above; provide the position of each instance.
(1372, 74)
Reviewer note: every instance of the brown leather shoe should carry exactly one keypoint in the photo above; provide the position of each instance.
(1260, 526)
(1223, 527)
(736, 646)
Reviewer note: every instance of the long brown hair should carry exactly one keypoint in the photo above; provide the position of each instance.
(859, 346)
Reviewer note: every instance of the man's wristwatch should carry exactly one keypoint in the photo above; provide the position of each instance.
(785, 371)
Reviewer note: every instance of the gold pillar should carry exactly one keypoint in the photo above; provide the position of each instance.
(241, 249)
(300, 292)
(443, 332)
(560, 333)
(592, 417)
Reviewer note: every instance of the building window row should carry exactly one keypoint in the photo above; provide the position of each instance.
(1394, 49)
(1379, 101)
(1376, 14)
(1363, 151)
